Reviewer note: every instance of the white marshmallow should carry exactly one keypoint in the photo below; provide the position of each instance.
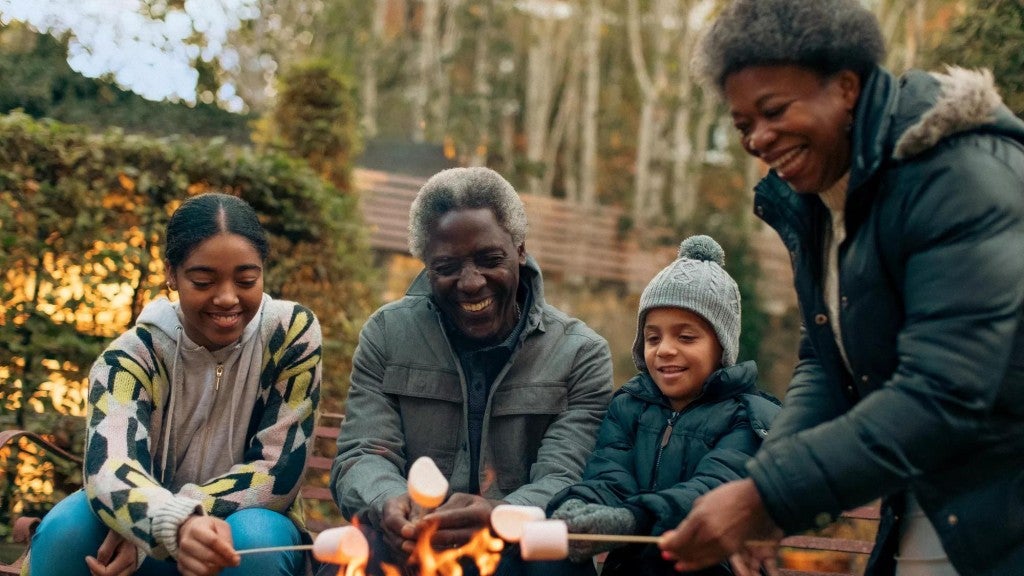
(427, 486)
(545, 540)
(341, 545)
(507, 520)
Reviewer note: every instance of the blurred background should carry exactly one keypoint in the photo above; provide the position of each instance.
(327, 115)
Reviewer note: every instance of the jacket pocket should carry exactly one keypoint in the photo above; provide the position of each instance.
(520, 417)
(430, 406)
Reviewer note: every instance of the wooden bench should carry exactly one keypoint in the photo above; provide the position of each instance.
(827, 554)
(842, 548)
(318, 504)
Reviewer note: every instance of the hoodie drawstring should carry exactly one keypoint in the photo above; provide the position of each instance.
(170, 406)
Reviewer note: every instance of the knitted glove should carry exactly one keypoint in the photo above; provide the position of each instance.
(567, 508)
(594, 519)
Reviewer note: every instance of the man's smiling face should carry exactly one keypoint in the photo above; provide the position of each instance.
(473, 268)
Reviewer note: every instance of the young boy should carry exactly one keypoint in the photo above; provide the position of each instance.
(686, 423)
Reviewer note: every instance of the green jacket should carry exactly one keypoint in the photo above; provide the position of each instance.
(408, 399)
(931, 291)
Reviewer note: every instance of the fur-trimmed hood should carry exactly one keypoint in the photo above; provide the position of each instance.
(898, 119)
(965, 100)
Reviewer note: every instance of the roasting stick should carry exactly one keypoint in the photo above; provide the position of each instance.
(275, 549)
(624, 538)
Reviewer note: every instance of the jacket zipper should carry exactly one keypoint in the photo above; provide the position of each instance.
(665, 436)
(219, 374)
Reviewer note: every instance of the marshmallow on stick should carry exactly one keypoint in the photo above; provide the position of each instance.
(343, 545)
(549, 539)
(426, 484)
(507, 520)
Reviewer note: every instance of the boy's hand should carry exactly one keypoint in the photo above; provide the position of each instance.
(594, 519)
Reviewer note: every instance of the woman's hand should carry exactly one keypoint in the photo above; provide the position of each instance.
(729, 520)
(116, 557)
(205, 547)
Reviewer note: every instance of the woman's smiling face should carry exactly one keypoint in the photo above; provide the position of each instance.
(796, 121)
(220, 288)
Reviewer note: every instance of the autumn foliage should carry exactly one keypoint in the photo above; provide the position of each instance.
(81, 223)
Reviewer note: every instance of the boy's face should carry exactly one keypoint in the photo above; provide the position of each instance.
(681, 350)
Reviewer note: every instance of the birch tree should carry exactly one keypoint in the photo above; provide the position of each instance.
(550, 32)
(371, 62)
(587, 191)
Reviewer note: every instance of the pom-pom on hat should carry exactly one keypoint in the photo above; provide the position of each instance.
(696, 281)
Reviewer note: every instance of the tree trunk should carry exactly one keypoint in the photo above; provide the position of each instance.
(647, 202)
(591, 106)
(482, 85)
(545, 63)
(370, 62)
(425, 69)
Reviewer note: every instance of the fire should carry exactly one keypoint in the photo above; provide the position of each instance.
(483, 548)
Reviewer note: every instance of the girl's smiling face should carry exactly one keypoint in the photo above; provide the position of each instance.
(681, 350)
(796, 121)
(220, 288)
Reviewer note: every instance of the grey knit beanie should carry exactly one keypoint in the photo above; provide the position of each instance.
(697, 282)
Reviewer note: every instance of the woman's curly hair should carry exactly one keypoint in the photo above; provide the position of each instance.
(824, 36)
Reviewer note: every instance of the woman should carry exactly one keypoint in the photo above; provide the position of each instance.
(199, 418)
(901, 201)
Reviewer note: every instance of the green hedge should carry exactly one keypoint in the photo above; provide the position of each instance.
(81, 222)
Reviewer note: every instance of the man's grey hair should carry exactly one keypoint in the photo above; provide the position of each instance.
(465, 188)
(824, 36)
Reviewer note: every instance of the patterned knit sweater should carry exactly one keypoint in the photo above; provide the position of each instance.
(131, 413)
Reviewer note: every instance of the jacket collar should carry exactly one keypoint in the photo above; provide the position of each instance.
(723, 383)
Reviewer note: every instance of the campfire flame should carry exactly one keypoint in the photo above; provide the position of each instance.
(484, 549)
(356, 568)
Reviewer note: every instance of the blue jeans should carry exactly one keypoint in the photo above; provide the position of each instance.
(71, 531)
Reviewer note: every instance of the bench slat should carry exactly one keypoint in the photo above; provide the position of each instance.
(829, 544)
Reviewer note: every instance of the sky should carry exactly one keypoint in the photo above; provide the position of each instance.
(151, 56)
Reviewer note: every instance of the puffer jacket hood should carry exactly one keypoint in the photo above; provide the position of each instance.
(901, 118)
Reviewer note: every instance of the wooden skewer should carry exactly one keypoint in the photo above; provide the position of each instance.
(275, 549)
(629, 538)
(615, 538)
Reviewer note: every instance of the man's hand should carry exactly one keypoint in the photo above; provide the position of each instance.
(397, 526)
(116, 557)
(458, 519)
(726, 521)
(205, 547)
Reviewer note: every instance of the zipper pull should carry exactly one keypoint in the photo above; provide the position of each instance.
(668, 432)
(220, 373)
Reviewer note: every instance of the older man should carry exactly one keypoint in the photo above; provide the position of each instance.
(473, 369)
